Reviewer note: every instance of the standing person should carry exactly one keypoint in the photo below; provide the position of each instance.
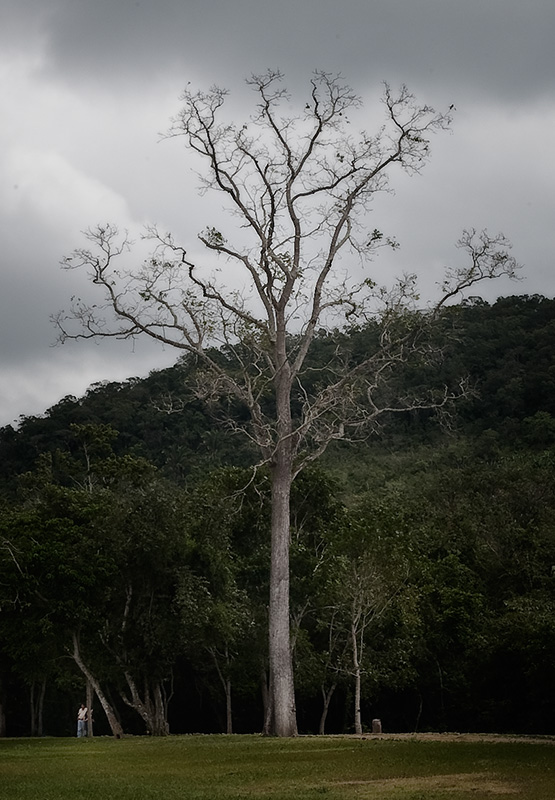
(82, 721)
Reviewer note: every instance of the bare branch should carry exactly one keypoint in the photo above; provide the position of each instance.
(489, 259)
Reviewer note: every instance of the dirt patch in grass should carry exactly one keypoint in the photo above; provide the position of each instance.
(469, 782)
(457, 737)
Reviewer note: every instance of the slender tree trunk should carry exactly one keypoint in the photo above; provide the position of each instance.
(356, 672)
(36, 707)
(40, 715)
(419, 714)
(32, 708)
(226, 685)
(166, 697)
(113, 721)
(228, 707)
(326, 695)
(266, 702)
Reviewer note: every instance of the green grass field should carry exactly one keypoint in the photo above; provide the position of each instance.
(251, 767)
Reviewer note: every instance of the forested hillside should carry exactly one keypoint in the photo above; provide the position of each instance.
(135, 544)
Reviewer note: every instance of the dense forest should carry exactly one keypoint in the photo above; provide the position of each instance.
(134, 554)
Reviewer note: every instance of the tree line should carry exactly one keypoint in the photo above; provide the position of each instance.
(135, 554)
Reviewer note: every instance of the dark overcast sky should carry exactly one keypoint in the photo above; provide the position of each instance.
(87, 85)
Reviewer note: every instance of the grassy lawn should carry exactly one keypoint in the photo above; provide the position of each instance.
(251, 767)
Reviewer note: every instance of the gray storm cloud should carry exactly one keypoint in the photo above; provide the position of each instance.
(85, 88)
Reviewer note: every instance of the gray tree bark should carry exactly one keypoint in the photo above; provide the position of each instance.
(90, 696)
(151, 707)
(281, 668)
(356, 672)
(281, 661)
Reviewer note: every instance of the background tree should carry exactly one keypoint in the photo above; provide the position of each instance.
(219, 609)
(300, 186)
(56, 575)
(94, 574)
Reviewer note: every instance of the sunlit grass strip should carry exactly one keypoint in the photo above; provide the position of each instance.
(241, 767)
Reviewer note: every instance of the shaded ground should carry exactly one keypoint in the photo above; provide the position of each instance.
(458, 737)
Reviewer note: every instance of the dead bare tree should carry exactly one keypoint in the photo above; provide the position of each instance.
(301, 187)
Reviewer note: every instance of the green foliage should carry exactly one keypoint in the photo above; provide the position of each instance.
(145, 532)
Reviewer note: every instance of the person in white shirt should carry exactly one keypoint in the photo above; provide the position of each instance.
(82, 721)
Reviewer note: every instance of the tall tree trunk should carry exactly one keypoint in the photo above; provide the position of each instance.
(281, 666)
(226, 685)
(90, 720)
(33, 709)
(228, 707)
(113, 721)
(356, 672)
(284, 716)
(40, 715)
